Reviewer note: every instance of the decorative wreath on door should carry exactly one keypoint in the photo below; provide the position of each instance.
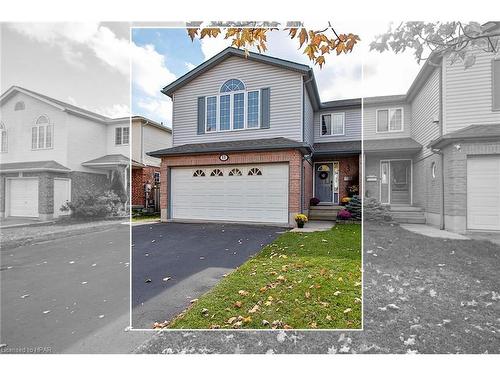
(323, 175)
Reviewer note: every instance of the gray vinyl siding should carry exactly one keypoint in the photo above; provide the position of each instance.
(370, 121)
(469, 94)
(308, 119)
(424, 108)
(286, 101)
(352, 131)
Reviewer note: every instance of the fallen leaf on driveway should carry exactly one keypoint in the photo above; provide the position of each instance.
(166, 278)
(25, 296)
(147, 280)
(46, 311)
(194, 300)
(201, 258)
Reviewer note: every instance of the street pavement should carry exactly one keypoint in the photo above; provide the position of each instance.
(68, 295)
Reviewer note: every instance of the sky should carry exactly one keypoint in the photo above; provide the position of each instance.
(89, 64)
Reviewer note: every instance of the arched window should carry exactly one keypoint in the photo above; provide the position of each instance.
(41, 134)
(255, 172)
(3, 138)
(19, 106)
(216, 173)
(232, 85)
(199, 173)
(235, 172)
(233, 108)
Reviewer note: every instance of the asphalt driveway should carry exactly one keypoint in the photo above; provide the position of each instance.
(174, 263)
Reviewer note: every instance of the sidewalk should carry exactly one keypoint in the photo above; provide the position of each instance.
(15, 236)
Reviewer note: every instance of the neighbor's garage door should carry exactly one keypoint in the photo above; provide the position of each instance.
(255, 193)
(483, 192)
(22, 198)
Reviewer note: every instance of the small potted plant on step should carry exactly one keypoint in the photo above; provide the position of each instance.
(300, 219)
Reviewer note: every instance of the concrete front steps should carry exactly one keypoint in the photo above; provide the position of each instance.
(407, 214)
(324, 212)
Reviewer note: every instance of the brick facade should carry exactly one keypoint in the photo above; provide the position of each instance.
(139, 178)
(349, 166)
(292, 157)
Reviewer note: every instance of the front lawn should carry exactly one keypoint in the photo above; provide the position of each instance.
(145, 217)
(301, 280)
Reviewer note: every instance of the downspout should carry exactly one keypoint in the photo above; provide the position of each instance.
(441, 155)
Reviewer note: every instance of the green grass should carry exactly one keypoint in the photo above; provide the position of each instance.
(145, 218)
(293, 282)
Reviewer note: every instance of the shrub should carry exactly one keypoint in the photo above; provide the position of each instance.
(90, 205)
(354, 207)
(343, 214)
(373, 210)
(314, 201)
(118, 186)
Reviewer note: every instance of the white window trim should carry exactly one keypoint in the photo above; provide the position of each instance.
(121, 136)
(231, 112)
(389, 120)
(331, 124)
(38, 126)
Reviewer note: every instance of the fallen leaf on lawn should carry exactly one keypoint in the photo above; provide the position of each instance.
(268, 303)
(322, 271)
(239, 323)
(232, 319)
(204, 312)
(307, 295)
(243, 292)
(265, 323)
(340, 279)
(328, 317)
(248, 319)
(194, 300)
(346, 311)
(324, 240)
(238, 304)
(254, 309)
(357, 300)
(263, 289)
(314, 325)
(324, 304)
(338, 292)
(281, 278)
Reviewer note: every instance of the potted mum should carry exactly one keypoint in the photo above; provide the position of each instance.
(300, 219)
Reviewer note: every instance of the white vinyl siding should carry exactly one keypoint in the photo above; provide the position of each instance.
(424, 110)
(285, 101)
(308, 119)
(3, 138)
(352, 126)
(468, 94)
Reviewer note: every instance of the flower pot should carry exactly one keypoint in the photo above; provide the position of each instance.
(300, 224)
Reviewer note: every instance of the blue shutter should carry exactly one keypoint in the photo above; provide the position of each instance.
(265, 113)
(201, 115)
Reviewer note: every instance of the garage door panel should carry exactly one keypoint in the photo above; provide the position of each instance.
(255, 198)
(483, 192)
(23, 197)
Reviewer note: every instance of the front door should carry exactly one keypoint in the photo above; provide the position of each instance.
(400, 182)
(327, 182)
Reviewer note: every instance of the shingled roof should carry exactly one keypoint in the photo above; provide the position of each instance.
(472, 132)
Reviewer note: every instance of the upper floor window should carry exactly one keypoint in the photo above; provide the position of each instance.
(389, 120)
(19, 106)
(333, 124)
(496, 85)
(122, 135)
(233, 109)
(41, 134)
(3, 138)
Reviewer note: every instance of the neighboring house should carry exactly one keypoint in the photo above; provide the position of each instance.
(445, 132)
(52, 152)
(252, 142)
(147, 135)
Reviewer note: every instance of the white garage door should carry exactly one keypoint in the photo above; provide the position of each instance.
(253, 193)
(62, 194)
(483, 192)
(23, 197)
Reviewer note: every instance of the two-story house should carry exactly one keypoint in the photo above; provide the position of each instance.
(147, 135)
(51, 152)
(252, 142)
(433, 154)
